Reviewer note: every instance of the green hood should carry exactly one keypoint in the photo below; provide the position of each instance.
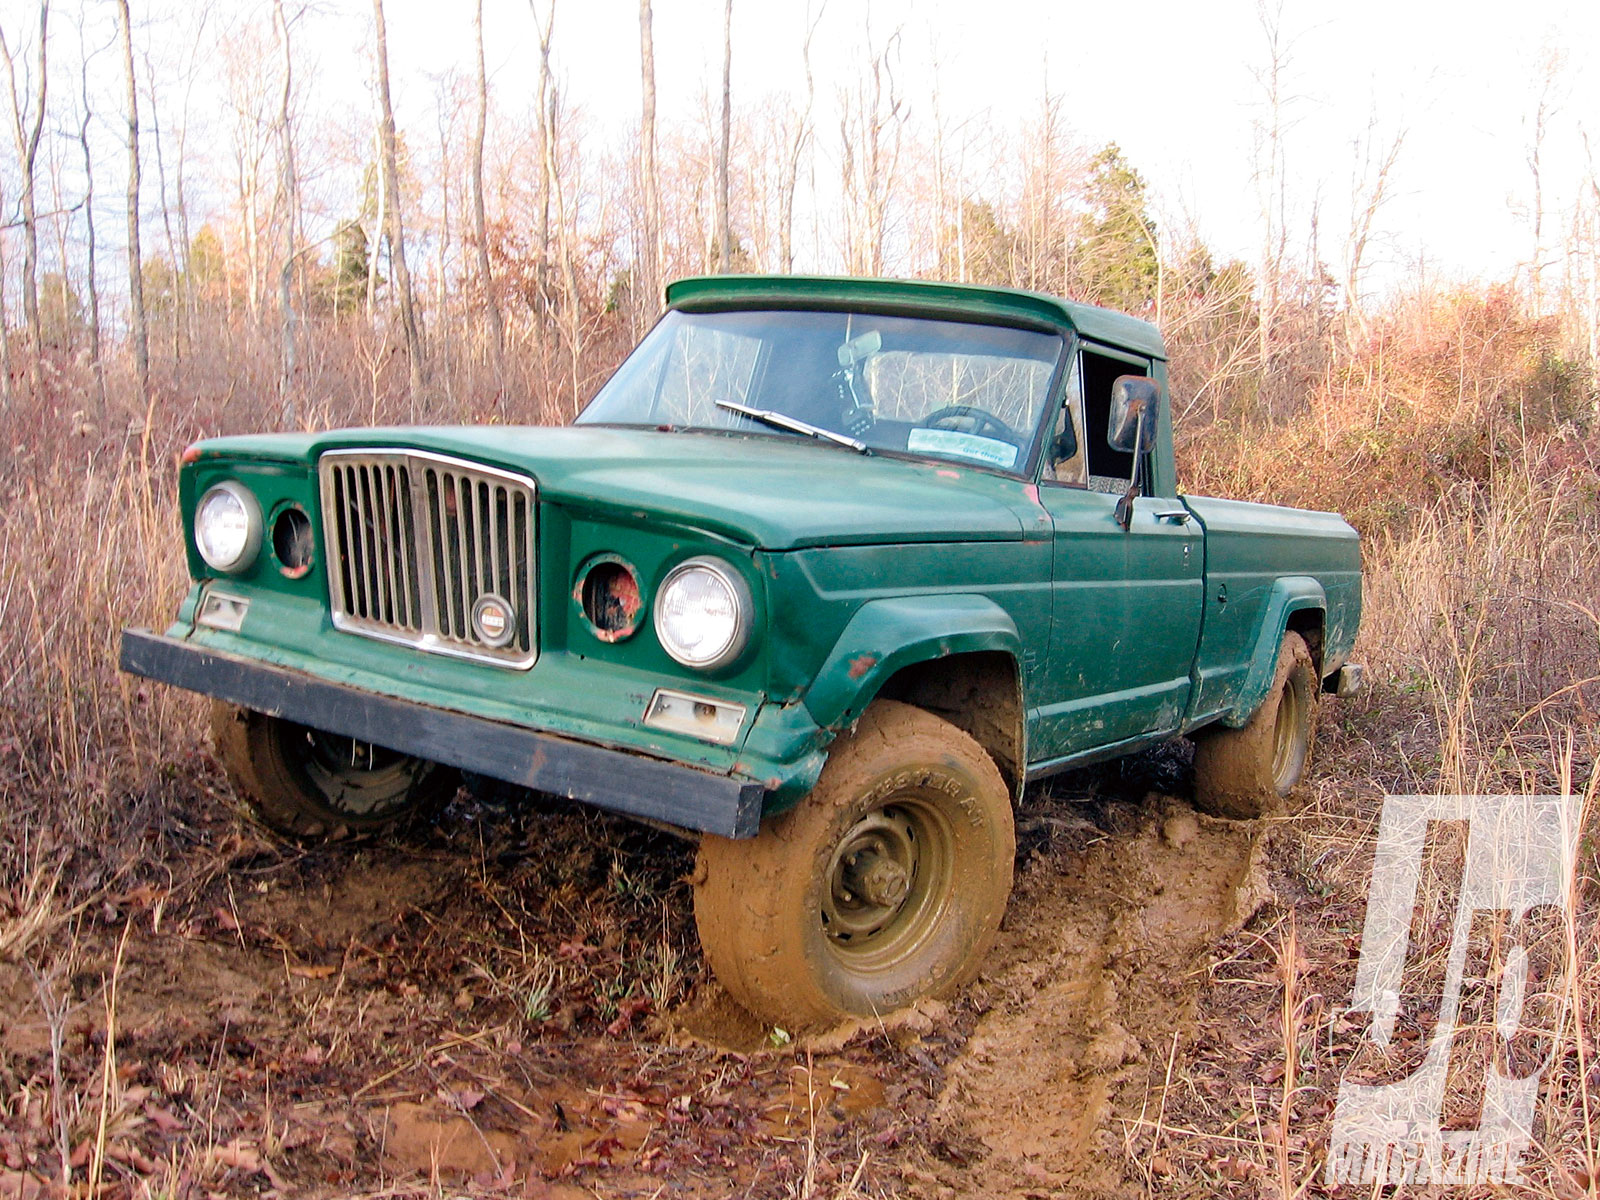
(772, 492)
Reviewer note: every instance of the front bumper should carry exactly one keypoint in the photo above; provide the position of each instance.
(612, 779)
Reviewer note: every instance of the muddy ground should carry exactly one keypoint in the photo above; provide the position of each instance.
(510, 1001)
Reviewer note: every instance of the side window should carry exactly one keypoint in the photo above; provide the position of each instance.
(1064, 456)
(1109, 470)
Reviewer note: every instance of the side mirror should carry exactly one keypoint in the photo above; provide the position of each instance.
(1134, 405)
(1132, 429)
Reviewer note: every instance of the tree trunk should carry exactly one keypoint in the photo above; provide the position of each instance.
(136, 320)
(797, 145)
(6, 366)
(379, 223)
(480, 229)
(179, 283)
(397, 237)
(724, 230)
(541, 266)
(93, 279)
(26, 130)
(290, 186)
(572, 308)
(652, 253)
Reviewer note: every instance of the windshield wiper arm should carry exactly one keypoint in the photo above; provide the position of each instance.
(794, 425)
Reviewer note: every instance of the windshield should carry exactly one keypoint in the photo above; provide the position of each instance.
(945, 389)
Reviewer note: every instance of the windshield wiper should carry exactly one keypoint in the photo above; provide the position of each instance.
(794, 425)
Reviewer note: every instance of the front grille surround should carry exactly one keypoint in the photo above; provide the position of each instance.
(413, 540)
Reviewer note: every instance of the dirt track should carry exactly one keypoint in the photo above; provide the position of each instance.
(511, 1002)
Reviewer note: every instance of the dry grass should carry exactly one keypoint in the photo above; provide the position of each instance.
(1462, 445)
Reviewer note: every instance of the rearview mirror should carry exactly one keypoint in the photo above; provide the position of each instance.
(1132, 426)
(859, 349)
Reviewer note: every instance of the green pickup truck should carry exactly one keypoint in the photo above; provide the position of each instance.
(825, 575)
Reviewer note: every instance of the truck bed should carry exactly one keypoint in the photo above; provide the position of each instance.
(1261, 559)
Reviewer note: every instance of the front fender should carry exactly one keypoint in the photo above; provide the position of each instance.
(1290, 594)
(887, 635)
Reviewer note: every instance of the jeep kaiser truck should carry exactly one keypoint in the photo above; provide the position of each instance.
(825, 575)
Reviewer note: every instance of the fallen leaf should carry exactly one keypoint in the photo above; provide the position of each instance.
(236, 1156)
(163, 1119)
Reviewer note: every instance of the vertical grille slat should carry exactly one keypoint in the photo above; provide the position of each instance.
(415, 540)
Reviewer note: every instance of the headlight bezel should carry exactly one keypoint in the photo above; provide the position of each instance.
(744, 609)
(254, 527)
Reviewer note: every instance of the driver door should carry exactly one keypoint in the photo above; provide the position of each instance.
(1125, 604)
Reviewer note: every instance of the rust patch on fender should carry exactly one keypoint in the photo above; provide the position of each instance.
(861, 665)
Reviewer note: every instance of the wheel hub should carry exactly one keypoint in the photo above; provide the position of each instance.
(876, 879)
(885, 882)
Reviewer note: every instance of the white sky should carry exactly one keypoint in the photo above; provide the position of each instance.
(1174, 83)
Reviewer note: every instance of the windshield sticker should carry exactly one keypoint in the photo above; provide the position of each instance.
(967, 445)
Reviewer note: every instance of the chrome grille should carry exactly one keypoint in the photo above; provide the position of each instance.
(415, 540)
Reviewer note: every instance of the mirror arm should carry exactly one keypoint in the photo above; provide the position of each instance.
(1142, 442)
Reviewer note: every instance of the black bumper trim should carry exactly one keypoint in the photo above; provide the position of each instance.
(610, 779)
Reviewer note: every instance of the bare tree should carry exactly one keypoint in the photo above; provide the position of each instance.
(1550, 68)
(799, 139)
(6, 366)
(380, 219)
(26, 126)
(572, 307)
(289, 189)
(652, 254)
(491, 303)
(1270, 175)
(1369, 192)
(871, 123)
(92, 280)
(447, 109)
(724, 229)
(1587, 214)
(175, 251)
(547, 133)
(396, 231)
(136, 321)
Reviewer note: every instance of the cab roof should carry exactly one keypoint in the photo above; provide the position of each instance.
(950, 300)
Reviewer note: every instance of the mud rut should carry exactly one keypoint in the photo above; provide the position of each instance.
(1103, 959)
(1030, 1082)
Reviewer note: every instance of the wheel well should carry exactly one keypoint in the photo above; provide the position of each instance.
(979, 693)
(1307, 622)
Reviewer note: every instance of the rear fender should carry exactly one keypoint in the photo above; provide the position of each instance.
(1289, 595)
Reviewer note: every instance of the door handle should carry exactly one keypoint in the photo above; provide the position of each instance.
(1178, 516)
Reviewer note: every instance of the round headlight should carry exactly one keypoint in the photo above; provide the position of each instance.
(227, 527)
(702, 613)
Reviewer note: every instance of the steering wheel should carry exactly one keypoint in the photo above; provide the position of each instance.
(980, 423)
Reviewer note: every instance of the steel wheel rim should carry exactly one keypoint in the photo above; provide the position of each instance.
(887, 884)
(1286, 736)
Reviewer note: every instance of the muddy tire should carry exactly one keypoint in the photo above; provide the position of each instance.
(310, 784)
(885, 885)
(1246, 773)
